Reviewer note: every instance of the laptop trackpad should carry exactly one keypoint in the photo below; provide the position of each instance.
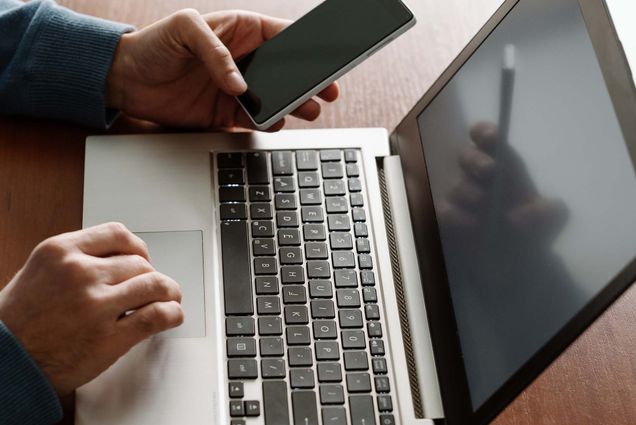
(180, 256)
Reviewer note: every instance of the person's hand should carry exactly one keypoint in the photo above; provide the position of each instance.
(85, 298)
(524, 212)
(180, 71)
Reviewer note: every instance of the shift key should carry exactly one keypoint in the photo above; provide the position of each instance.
(305, 410)
(237, 281)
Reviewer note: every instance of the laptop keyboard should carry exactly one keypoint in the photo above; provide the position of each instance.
(300, 301)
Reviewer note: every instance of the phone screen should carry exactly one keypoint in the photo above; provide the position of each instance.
(313, 49)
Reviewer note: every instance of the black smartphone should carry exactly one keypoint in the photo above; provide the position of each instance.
(314, 51)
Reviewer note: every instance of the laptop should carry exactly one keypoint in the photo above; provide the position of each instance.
(349, 276)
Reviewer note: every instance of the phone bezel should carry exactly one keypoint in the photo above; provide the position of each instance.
(333, 77)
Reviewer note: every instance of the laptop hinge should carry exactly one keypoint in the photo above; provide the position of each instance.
(422, 374)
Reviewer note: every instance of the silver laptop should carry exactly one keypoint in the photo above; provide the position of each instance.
(351, 277)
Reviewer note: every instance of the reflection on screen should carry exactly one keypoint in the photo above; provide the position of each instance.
(534, 222)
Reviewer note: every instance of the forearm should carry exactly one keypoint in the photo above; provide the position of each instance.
(26, 397)
(54, 62)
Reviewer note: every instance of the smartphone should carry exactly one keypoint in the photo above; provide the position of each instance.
(314, 51)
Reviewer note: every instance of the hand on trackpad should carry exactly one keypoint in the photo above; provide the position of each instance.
(180, 256)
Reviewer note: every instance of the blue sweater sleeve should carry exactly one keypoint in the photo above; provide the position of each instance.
(54, 62)
(26, 397)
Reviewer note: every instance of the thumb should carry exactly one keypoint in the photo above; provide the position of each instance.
(198, 37)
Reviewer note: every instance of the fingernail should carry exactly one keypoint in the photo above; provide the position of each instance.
(236, 82)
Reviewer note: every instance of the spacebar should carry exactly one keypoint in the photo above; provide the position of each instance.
(275, 403)
(237, 284)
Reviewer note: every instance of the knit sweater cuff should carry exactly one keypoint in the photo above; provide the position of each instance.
(71, 57)
(26, 396)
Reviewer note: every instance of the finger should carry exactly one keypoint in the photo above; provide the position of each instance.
(119, 268)
(330, 93)
(195, 34)
(452, 217)
(109, 239)
(150, 320)
(485, 135)
(308, 111)
(475, 163)
(271, 26)
(467, 194)
(542, 217)
(145, 289)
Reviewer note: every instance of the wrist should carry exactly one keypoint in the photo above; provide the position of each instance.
(116, 79)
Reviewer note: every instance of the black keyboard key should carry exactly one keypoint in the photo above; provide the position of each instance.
(318, 269)
(294, 294)
(345, 278)
(320, 289)
(308, 179)
(361, 410)
(348, 298)
(360, 230)
(301, 378)
(327, 350)
(261, 247)
(377, 347)
(329, 372)
(331, 394)
(312, 214)
(306, 160)
(340, 240)
(343, 260)
(387, 420)
(263, 229)
(332, 170)
(367, 277)
(282, 163)
(289, 237)
(310, 197)
(369, 295)
(353, 340)
(363, 246)
(237, 280)
(353, 170)
(237, 422)
(252, 408)
(365, 261)
(304, 407)
(270, 326)
(374, 330)
(231, 176)
(378, 365)
(356, 200)
(322, 309)
(233, 212)
(292, 274)
(284, 185)
(273, 368)
(242, 369)
(330, 155)
(334, 188)
(358, 382)
(314, 232)
(336, 204)
(232, 194)
(355, 185)
(298, 335)
(287, 219)
(291, 255)
(382, 384)
(384, 403)
(266, 285)
(316, 251)
(235, 326)
(356, 360)
(325, 329)
(236, 408)
(271, 347)
(351, 155)
(275, 407)
(261, 211)
(300, 356)
(260, 194)
(267, 305)
(229, 160)
(372, 312)
(236, 389)
(257, 172)
(350, 319)
(358, 214)
(265, 265)
(296, 315)
(339, 222)
(285, 201)
(241, 347)
(334, 416)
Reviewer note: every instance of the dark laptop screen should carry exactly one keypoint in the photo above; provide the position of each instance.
(536, 219)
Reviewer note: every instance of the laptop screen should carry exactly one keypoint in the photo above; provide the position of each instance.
(533, 188)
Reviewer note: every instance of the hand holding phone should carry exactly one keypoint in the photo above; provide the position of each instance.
(314, 51)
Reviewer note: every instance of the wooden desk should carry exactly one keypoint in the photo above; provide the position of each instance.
(41, 174)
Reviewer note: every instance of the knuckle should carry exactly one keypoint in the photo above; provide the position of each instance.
(186, 16)
(118, 230)
(140, 263)
(51, 248)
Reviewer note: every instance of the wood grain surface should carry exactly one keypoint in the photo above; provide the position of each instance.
(41, 174)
